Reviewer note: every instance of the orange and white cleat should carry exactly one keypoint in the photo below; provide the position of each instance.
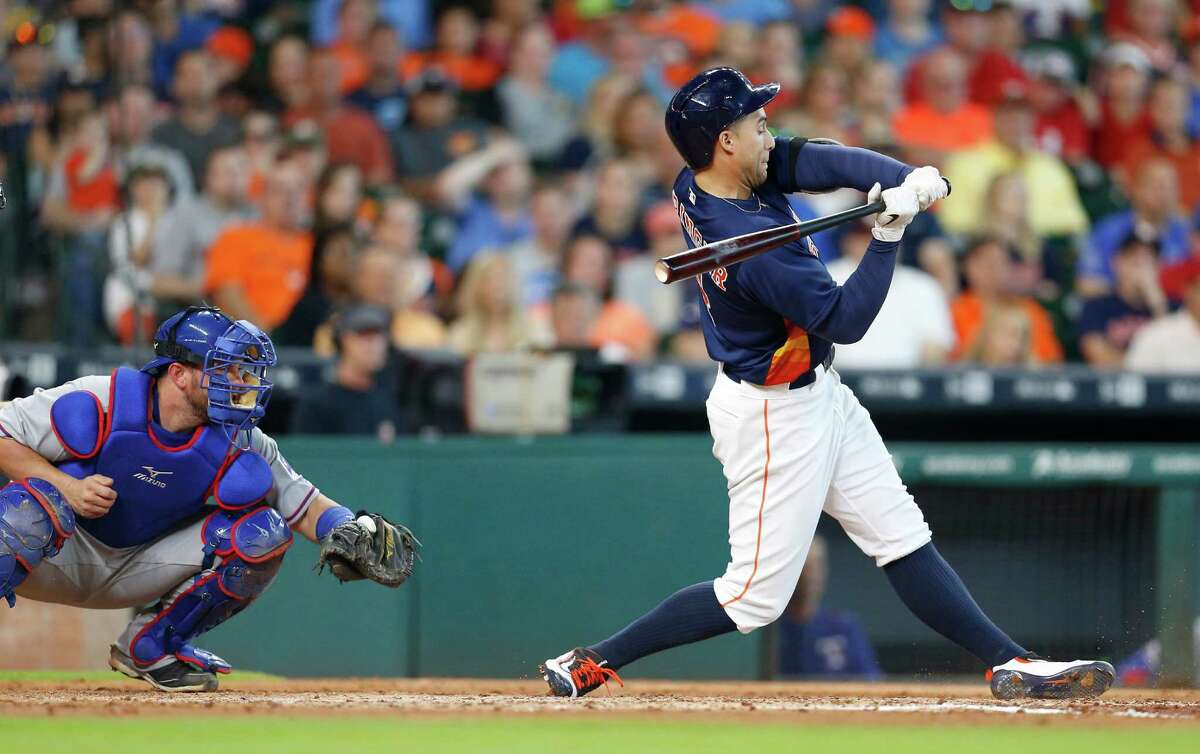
(1034, 677)
(577, 672)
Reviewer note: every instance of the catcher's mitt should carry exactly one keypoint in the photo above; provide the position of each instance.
(370, 547)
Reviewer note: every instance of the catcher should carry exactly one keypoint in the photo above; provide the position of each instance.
(109, 503)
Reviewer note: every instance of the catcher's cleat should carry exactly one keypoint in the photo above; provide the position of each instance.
(175, 676)
(1037, 678)
(578, 672)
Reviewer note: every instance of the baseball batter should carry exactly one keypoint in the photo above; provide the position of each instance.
(792, 439)
(112, 476)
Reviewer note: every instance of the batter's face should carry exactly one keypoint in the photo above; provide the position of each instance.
(751, 144)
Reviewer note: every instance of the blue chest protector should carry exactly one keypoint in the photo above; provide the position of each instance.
(158, 486)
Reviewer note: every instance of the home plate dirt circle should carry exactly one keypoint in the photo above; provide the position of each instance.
(908, 703)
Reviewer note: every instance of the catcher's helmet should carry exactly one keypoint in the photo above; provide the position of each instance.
(706, 106)
(206, 337)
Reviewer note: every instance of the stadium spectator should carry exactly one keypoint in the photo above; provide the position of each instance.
(1054, 207)
(81, 198)
(1109, 323)
(1172, 343)
(536, 261)
(639, 117)
(596, 139)
(620, 331)
(573, 311)
(456, 52)
(1151, 28)
(609, 43)
(131, 47)
(356, 19)
(1169, 139)
(780, 58)
(382, 95)
(987, 267)
(287, 74)
(350, 135)
(188, 229)
(232, 50)
(823, 108)
(913, 326)
(849, 32)
(129, 309)
(92, 70)
(132, 117)
(409, 17)
(1056, 96)
(615, 215)
(1005, 339)
(989, 70)
(634, 283)
(260, 144)
(426, 283)
(1123, 119)
(1153, 215)
(198, 126)
(378, 279)
(177, 28)
(339, 196)
(490, 318)
(876, 100)
(816, 641)
(944, 120)
(329, 287)
(540, 117)
(357, 401)
(258, 270)
(736, 46)
(499, 216)
(501, 28)
(906, 34)
(436, 136)
(27, 93)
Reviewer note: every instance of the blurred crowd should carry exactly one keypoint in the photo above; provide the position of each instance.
(495, 175)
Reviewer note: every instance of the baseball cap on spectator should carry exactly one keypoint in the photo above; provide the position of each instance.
(361, 318)
(850, 22)
(1177, 278)
(432, 79)
(232, 43)
(1051, 65)
(1127, 53)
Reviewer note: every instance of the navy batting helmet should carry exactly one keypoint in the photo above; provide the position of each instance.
(709, 104)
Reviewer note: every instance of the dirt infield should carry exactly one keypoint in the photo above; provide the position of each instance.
(838, 704)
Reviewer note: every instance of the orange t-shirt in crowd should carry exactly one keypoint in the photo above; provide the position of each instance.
(920, 125)
(269, 265)
(1186, 162)
(96, 192)
(473, 73)
(621, 323)
(967, 311)
(353, 63)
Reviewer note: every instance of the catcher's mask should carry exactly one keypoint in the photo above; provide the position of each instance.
(235, 357)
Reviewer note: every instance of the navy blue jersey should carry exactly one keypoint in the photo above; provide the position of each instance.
(772, 318)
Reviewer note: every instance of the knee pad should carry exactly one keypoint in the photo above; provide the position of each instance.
(35, 521)
(251, 547)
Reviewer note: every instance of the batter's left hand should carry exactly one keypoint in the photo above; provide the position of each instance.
(928, 185)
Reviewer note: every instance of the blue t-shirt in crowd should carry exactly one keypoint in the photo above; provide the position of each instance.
(1111, 233)
(1114, 318)
(481, 227)
(831, 644)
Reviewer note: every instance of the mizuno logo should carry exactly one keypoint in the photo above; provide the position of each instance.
(151, 476)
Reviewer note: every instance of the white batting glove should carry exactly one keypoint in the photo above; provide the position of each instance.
(900, 206)
(928, 184)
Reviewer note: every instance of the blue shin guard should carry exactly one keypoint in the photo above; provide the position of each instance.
(251, 547)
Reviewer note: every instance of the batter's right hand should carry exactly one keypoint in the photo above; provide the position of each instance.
(900, 206)
(90, 497)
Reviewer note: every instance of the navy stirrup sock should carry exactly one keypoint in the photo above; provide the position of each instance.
(689, 615)
(935, 594)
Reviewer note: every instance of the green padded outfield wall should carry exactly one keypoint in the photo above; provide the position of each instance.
(533, 546)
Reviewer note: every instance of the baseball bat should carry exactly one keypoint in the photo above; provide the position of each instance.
(706, 258)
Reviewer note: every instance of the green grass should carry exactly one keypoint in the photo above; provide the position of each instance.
(63, 676)
(577, 735)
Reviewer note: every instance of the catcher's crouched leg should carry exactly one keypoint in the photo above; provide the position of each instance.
(250, 546)
(35, 522)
